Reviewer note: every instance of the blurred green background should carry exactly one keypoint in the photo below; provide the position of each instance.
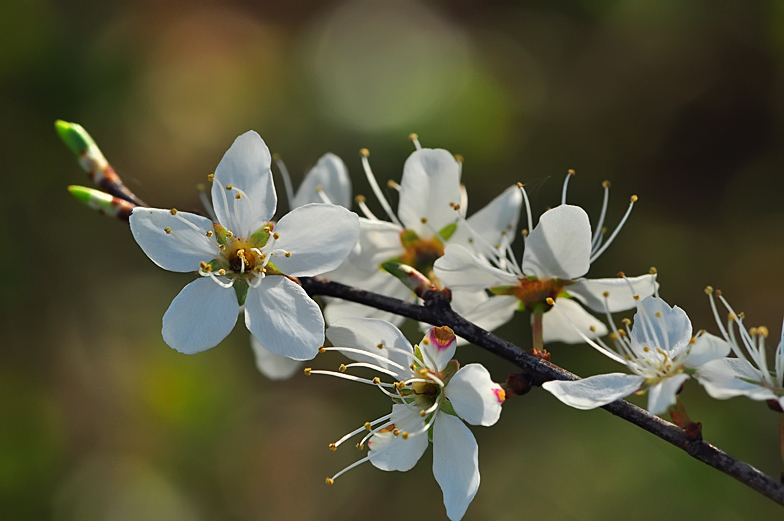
(678, 102)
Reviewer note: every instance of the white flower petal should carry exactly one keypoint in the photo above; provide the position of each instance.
(318, 236)
(474, 395)
(379, 241)
(183, 249)
(560, 245)
(556, 327)
(246, 165)
(284, 319)
(662, 395)
(594, 391)
(486, 312)
(390, 452)
(621, 292)
(438, 347)
(431, 180)
(499, 217)
(331, 174)
(722, 379)
(458, 268)
(368, 334)
(455, 464)
(200, 316)
(707, 348)
(380, 282)
(671, 331)
(274, 367)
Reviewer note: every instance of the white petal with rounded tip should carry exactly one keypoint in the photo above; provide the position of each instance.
(722, 379)
(431, 180)
(498, 217)
(379, 241)
(390, 452)
(705, 349)
(556, 327)
(594, 391)
(318, 236)
(246, 165)
(671, 331)
(435, 354)
(458, 268)
(474, 395)
(331, 174)
(166, 250)
(202, 315)
(455, 464)
(274, 367)
(663, 394)
(284, 319)
(621, 292)
(560, 245)
(368, 334)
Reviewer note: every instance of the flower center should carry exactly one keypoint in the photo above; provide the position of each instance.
(533, 292)
(420, 253)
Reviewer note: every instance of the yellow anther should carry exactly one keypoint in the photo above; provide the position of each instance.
(636, 297)
(753, 331)
(592, 329)
(571, 172)
(524, 233)
(653, 270)
(342, 368)
(209, 233)
(365, 152)
(173, 211)
(646, 349)
(359, 446)
(392, 184)
(332, 446)
(167, 230)
(380, 345)
(360, 199)
(519, 184)
(693, 340)
(238, 196)
(229, 187)
(604, 230)
(708, 290)
(732, 317)
(422, 413)
(470, 240)
(606, 294)
(622, 332)
(367, 425)
(221, 272)
(550, 301)
(613, 336)
(658, 314)
(229, 234)
(634, 198)
(276, 236)
(210, 177)
(287, 254)
(200, 187)
(222, 247)
(423, 220)
(413, 137)
(206, 267)
(376, 380)
(606, 184)
(626, 321)
(319, 188)
(458, 158)
(322, 350)
(330, 481)
(621, 274)
(396, 432)
(762, 330)
(307, 371)
(718, 292)
(404, 435)
(426, 341)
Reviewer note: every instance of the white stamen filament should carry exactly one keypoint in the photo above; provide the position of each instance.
(606, 352)
(372, 366)
(284, 173)
(205, 202)
(527, 208)
(598, 230)
(361, 429)
(565, 187)
(615, 232)
(365, 210)
(226, 210)
(377, 191)
(216, 279)
(350, 377)
(371, 354)
(353, 465)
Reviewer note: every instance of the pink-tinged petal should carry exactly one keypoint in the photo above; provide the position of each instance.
(274, 367)
(560, 245)
(662, 395)
(493, 221)
(458, 268)
(430, 182)
(474, 395)
(331, 176)
(729, 377)
(438, 347)
(594, 391)
(202, 315)
(390, 452)
(181, 250)
(620, 292)
(246, 165)
(557, 328)
(284, 319)
(705, 349)
(374, 336)
(318, 237)
(671, 331)
(455, 464)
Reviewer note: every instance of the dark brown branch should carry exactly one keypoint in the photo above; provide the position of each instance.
(437, 311)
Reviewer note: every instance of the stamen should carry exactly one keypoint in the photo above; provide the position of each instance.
(365, 426)
(608, 353)
(331, 480)
(284, 173)
(569, 174)
(615, 232)
(360, 199)
(376, 190)
(415, 139)
(599, 230)
(371, 354)
(527, 206)
(351, 377)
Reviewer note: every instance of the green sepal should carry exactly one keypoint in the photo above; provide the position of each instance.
(449, 371)
(502, 290)
(260, 237)
(241, 289)
(221, 233)
(689, 370)
(407, 237)
(414, 280)
(74, 136)
(446, 406)
(417, 356)
(447, 231)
